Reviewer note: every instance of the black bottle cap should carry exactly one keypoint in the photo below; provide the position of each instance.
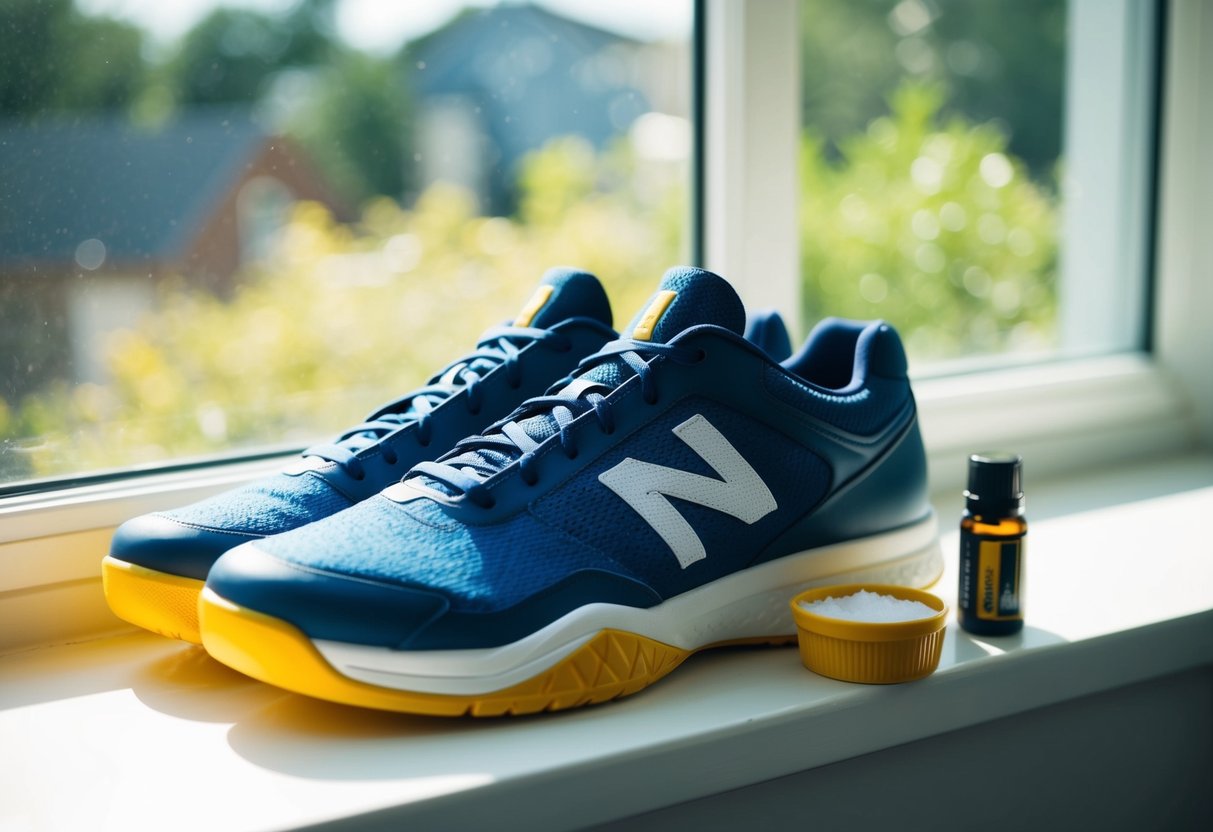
(995, 483)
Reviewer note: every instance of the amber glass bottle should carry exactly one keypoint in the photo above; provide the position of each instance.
(992, 537)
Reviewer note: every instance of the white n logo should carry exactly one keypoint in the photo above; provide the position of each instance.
(740, 492)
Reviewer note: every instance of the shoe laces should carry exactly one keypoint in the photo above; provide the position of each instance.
(464, 470)
(500, 346)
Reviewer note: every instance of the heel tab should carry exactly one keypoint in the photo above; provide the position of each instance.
(880, 352)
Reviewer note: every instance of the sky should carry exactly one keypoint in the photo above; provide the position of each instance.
(382, 25)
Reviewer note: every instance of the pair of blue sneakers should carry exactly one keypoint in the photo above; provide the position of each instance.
(670, 493)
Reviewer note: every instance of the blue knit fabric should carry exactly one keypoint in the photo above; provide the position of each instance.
(479, 568)
(270, 506)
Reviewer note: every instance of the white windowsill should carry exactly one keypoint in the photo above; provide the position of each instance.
(130, 728)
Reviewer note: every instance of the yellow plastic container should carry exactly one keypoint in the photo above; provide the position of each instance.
(869, 652)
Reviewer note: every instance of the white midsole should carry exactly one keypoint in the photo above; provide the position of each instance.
(749, 604)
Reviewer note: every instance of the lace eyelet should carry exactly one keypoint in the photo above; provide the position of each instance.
(572, 455)
(701, 355)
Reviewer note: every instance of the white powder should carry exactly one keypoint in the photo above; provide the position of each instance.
(869, 606)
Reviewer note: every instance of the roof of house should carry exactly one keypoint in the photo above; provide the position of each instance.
(143, 192)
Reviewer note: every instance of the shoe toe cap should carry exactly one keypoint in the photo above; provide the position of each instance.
(324, 605)
(157, 541)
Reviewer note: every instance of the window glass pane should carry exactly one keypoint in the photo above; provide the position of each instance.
(956, 160)
(231, 226)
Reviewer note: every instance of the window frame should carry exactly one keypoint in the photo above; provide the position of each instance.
(1064, 416)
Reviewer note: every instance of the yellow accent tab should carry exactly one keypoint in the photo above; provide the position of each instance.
(533, 306)
(648, 321)
(157, 601)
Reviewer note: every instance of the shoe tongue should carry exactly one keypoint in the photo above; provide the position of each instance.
(562, 294)
(687, 297)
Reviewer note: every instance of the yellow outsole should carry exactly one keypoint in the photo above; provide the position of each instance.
(157, 601)
(610, 665)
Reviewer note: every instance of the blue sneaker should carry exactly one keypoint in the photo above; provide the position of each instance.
(158, 562)
(766, 330)
(673, 495)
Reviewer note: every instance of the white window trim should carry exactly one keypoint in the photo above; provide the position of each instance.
(1109, 129)
(1063, 416)
(752, 150)
(1183, 302)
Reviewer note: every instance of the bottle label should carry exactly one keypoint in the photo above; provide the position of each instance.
(991, 579)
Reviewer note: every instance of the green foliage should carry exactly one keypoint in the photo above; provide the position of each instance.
(354, 126)
(934, 228)
(998, 60)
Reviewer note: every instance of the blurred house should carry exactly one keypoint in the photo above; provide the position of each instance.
(97, 212)
(494, 84)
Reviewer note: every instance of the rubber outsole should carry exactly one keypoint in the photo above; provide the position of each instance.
(157, 601)
(612, 664)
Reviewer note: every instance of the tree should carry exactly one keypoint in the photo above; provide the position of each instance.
(347, 109)
(354, 124)
(998, 60)
(53, 58)
(227, 57)
(231, 55)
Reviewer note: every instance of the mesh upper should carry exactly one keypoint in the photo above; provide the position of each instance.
(269, 506)
(481, 568)
(580, 525)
